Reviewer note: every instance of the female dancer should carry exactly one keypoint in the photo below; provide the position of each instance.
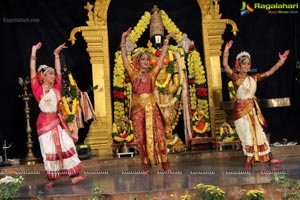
(56, 143)
(147, 119)
(248, 119)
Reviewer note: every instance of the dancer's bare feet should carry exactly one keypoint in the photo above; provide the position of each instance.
(147, 172)
(167, 169)
(146, 169)
(276, 161)
(77, 179)
(49, 185)
(248, 166)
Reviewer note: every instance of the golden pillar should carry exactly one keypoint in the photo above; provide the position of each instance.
(96, 36)
(213, 28)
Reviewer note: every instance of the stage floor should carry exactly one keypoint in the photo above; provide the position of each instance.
(122, 177)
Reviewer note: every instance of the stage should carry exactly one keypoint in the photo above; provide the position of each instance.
(121, 178)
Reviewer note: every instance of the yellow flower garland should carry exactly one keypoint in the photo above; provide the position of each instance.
(165, 83)
(182, 71)
(231, 90)
(140, 28)
(170, 26)
(169, 75)
(197, 72)
(69, 114)
(67, 107)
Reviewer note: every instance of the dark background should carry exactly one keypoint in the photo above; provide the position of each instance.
(263, 35)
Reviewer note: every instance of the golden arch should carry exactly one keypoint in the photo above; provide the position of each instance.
(95, 33)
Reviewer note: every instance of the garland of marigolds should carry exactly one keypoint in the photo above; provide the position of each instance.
(69, 114)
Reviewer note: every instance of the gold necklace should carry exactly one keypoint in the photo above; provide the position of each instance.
(48, 87)
(142, 76)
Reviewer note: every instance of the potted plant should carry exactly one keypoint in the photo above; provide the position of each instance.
(209, 192)
(9, 186)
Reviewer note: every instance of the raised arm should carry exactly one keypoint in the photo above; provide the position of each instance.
(57, 58)
(33, 59)
(164, 49)
(282, 58)
(226, 55)
(123, 48)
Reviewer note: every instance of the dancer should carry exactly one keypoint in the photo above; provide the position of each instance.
(248, 119)
(149, 127)
(56, 143)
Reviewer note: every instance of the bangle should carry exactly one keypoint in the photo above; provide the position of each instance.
(226, 53)
(122, 45)
(33, 57)
(281, 62)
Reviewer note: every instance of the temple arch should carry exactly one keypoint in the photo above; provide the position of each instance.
(95, 33)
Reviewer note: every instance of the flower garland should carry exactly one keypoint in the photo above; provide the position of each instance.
(174, 141)
(68, 114)
(140, 28)
(231, 90)
(119, 84)
(123, 133)
(170, 26)
(182, 71)
(162, 86)
(170, 71)
(198, 88)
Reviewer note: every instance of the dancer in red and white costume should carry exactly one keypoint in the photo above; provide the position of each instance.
(56, 143)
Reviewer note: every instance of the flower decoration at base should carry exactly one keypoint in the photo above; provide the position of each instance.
(9, 186)
(123, 131)
(227, 134)
(200, 122)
